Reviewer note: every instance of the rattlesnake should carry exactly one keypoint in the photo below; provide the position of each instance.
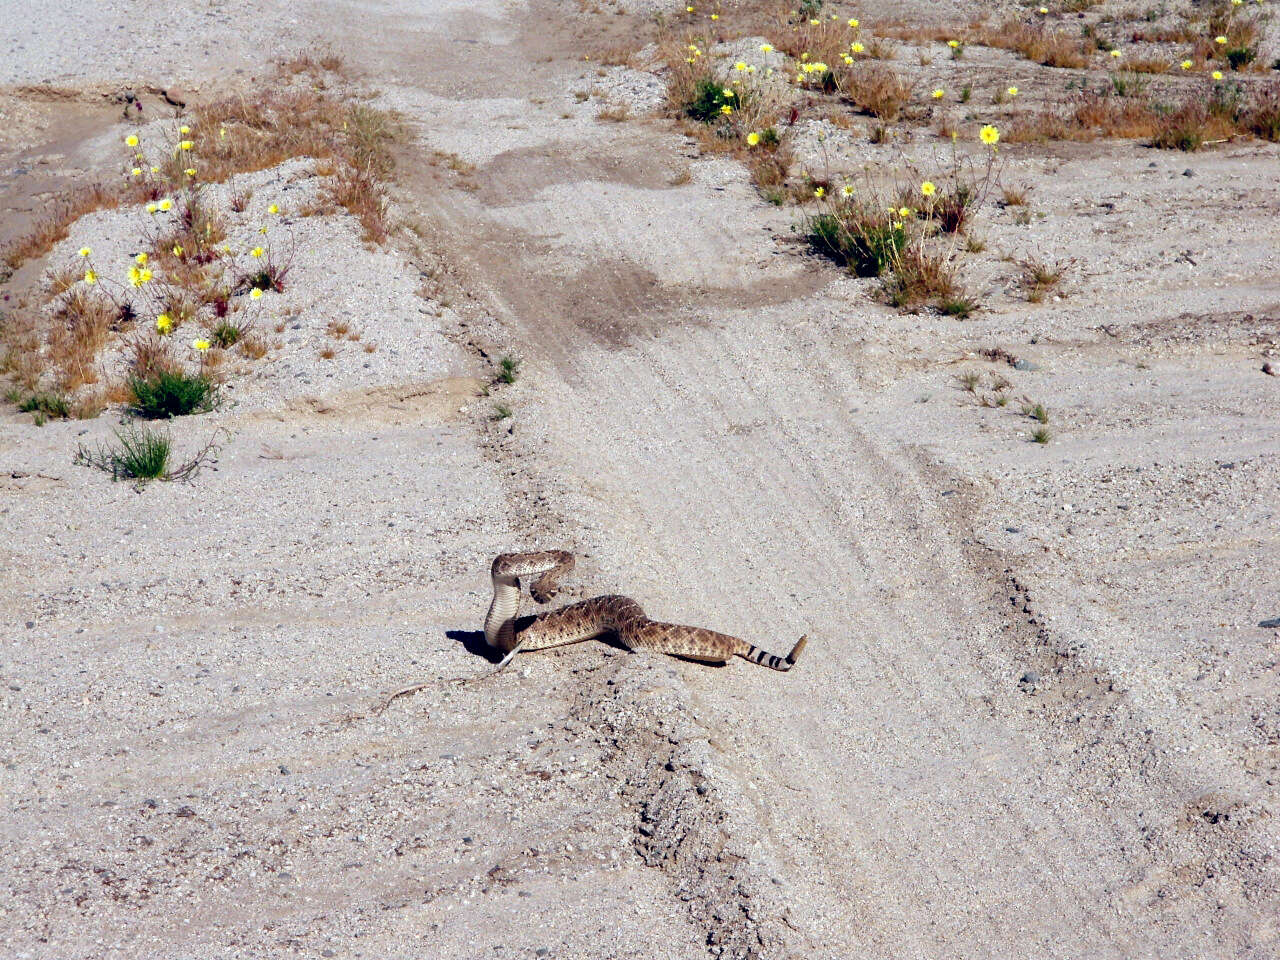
(600, 615)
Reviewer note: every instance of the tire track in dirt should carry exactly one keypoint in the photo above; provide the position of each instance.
(892, 796)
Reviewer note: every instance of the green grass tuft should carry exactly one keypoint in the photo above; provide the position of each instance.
(172, 393)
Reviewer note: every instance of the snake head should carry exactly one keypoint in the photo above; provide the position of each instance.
(543, 594)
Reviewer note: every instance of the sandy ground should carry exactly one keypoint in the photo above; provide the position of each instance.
(1038, 716)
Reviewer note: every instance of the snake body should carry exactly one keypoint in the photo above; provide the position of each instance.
(592, 618)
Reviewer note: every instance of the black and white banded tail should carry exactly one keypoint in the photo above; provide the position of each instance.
(774, 662)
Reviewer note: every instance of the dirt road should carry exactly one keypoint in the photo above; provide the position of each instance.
(1036, 718)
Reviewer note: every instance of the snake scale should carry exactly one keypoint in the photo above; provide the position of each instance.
(592, 618)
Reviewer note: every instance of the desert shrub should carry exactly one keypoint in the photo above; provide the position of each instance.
(920, 273)
(865, 241)
(877, 89)
(171, 393)
(46, 404)
(709, 100)
(1262, 119)
(1182, 129)
(143, 453)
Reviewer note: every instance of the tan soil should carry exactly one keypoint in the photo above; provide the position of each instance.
(1037, 716)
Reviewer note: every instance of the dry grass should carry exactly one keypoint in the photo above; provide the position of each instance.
(878, 90)
(55, 339)
(1039, 277)
(922, 273)
(1036, 42)
(362, 196)
(253, 346)
(54, 225)
(244, 134)
(148, 356)
(1014, 195)
(615, 114)
(81, 322)
(1148, 65)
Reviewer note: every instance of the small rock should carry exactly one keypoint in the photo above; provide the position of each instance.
(1272, 624)
(31, 624)
(1030, 678)
(1188, 172)
(1025, 365)
(541, 952)
(185, 812)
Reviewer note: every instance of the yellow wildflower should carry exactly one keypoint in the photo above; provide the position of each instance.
(155, 169)
(753, 139)
(853, 22)
(164, 323)
(165, 205)
(766, 48)
(177, 249)
(856, 47)
(90, 277)
(1217, 74)
(190, 171)
(953, 44)
(136, 171)
(201, 344)
(847, 190)
(151, 208)
(726, 110)
(1186, 64)
(715, 16)
(184, 130)
(1219, 39)
(131, 140)
(904, 212)
(85, 251)
(186, 145)
(256, 252)
(939, 93)
(141, 259)
(820, 193)
(274, 208)
(740, 66)
(1044, 10)
(989, 135)
(255, 294)
(928, 189)
(1012, 91)
(1115, 54)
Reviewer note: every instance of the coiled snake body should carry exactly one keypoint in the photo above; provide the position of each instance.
(597, 616)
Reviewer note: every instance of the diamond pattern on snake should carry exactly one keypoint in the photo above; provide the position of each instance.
(592, 618)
